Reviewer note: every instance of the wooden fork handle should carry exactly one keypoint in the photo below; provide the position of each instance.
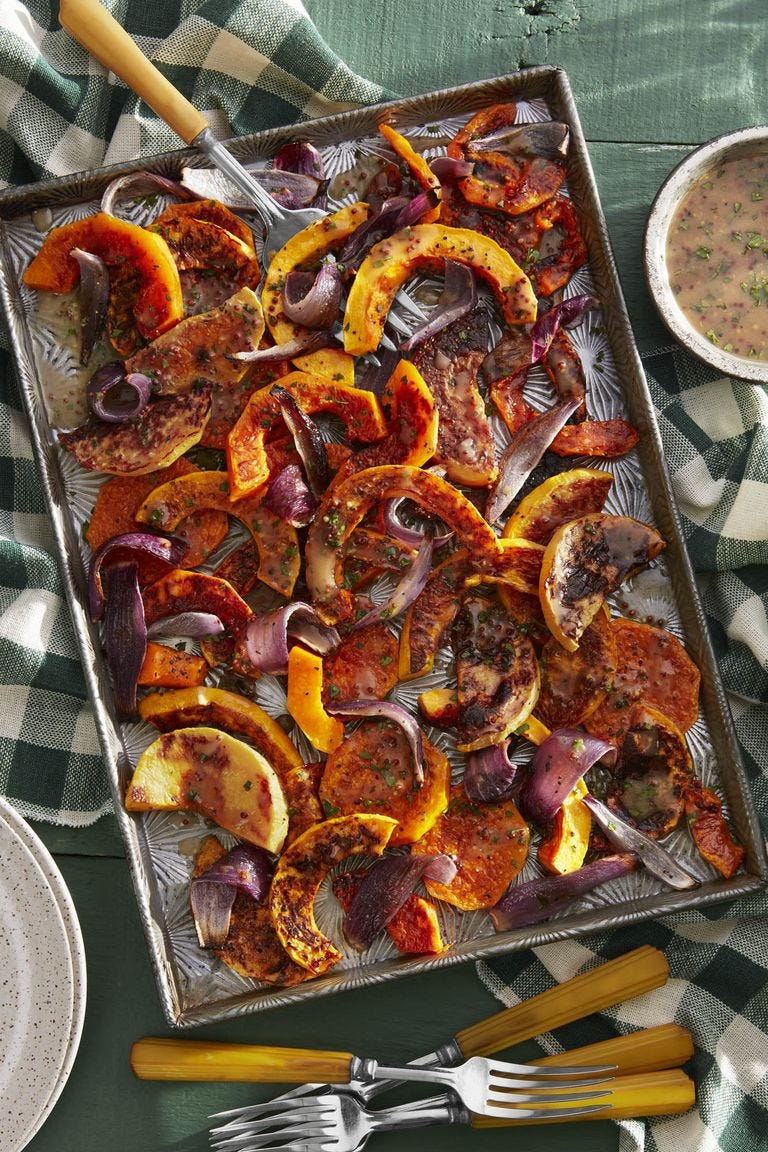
(617, 980)
(98, 32)
(159, 1058)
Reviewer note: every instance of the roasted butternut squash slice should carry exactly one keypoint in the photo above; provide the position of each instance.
(414, 928)
(372, 771)
(210, 772)
(201, 347)
(346, 503)
(489, 843)
(305, 700)
(584, 562)
(246, 454)
(306, 250)
(158, 303)
(431, 615)
(565, 844)
(560, 499)
(574, 684)
(301, 870)
(653, 773)
(393, 260)
(217, 708)
(709, 831)
(164, 431)
(214, 212)
(417, 165)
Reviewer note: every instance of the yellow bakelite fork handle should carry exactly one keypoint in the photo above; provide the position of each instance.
(665, 1093)
(101, 35)
(618, 980)
(157, 1058)
(648, 1050)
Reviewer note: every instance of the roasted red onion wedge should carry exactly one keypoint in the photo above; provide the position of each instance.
(299, 156)
(116, 397)
(378, 224)
(265, 639)
(245, 868)
(450, 170)
(547, 138)
(538, 899)
(490, 774)
(523, 453)
(407, 590)
(458, 298)
(300, 346)
(194, 625)
(306, 436)
(168, 550)
(137, 184)
(628, 839)
(125, 632)
(386, 710)
(558, 763)
(289, 497)
(94, 297)
(291, 189)
(543, 330)
(386, 886)
(405, 535)
(313, 301)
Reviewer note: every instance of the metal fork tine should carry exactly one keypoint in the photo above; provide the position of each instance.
(248, 1140)
(513, 1083)
(264, 1120)
(514, 1098)
(542, 1113)
(277, 1126)
(277, 1107)
(552, 1071)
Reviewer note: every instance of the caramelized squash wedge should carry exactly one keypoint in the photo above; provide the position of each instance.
(584, 562)
(574, 684)
(181, 590)
(164, 431)
(246, 455)
(393, 260)
(497, 674)
(276, 540)
(157, 304)
(301, 870)
(430, 616)
(412, 425)
(489, 843)
(346, 503)
(372, 771)
(201, 347)
(417, 165)
(212, 211)
(305, 700)
(560, 499)
(414, 928)
(306, 250)
(565, 844)
(709, 831)
(218, 708)
(653, 774)
(211, 772)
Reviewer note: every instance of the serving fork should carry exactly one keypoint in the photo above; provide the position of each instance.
(100, 34)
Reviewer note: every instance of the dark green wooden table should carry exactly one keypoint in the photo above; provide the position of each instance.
(651, 79)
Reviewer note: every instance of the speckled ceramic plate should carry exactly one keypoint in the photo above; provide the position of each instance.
(42, 990)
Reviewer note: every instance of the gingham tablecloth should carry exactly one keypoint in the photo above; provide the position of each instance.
(251, 64)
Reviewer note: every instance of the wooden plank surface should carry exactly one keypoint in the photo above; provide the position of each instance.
(650, 79)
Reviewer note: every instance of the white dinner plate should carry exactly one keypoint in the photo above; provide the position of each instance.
(42, 981)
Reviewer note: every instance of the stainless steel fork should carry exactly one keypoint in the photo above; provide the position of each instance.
(101, 35)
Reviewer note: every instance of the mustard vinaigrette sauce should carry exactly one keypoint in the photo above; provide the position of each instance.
(717, 256)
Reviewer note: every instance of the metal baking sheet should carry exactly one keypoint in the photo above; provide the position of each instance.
(194, 987)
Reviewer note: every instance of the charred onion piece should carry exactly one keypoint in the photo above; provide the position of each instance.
(405, 535)
(289, 497)
(114, 397)
(558, 763)
(449, 169)
(94, 298)
(538, 899)
(265, 639)
(547, 138)
(299, 156)
(490, 774)
(245, 868)
(125, 632)
(195, 625)
(407, 590)
(137, 184)
(386, 886)
(543, 330)
(523, 453)
(301, 346)
(169, 550)
(628, 839)
(306, 436)
(291, 189)
(386, 710)
(313, 301)
(378, 224)
(459, 296)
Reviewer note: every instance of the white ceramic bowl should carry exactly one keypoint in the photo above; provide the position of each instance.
(744, 142)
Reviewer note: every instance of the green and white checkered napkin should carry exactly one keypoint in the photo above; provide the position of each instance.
(252, 64)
